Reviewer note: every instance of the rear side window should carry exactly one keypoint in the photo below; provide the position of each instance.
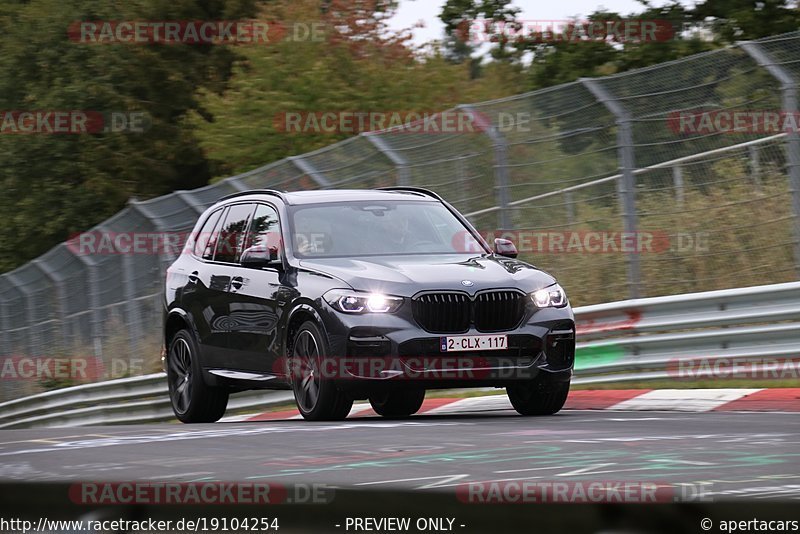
(232, 235)
(205, 240)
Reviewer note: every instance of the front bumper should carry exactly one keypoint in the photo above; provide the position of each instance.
(390, 351)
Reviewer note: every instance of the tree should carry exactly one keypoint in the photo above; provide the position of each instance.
(709, 24)
(358, 65)
(736, 20)
(558, 61)
(54, 185)
(471, 23)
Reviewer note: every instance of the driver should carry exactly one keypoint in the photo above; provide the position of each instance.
(399, 233)
(313, 238)
(392, 229)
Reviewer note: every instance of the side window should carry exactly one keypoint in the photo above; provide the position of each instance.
(204, 240)
(265, 230)
(232, 235)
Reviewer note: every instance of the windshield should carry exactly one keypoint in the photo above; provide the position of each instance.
(355, 229)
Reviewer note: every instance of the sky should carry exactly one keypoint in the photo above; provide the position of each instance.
(412, 11)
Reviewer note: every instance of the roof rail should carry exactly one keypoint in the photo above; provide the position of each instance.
(272, 192)
(409, 189)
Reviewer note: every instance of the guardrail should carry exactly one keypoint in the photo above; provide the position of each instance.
(642, 339)
(140, 399)
(687, 336)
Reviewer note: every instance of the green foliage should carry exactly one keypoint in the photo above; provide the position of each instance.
(561, 62)
(707, 25)
(493, 16)
(80, 180)
(367, 68)
(213, 109)
(739, 20)
(734, 233)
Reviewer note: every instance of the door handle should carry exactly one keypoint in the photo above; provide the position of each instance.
(236, 283)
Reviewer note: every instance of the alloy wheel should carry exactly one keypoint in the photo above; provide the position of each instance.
(180, 367)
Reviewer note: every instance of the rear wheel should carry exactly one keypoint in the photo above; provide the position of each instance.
(398, 403)
(540, 396)
(316, 396)
(193, 401)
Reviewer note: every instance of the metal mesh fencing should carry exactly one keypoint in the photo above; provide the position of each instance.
(622, 186)
(725, 221)
(355, 163)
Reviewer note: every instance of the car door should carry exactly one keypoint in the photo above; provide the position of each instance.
(256, 300)
(222, 270)
(205, 291)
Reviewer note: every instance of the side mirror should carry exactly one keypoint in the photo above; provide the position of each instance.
(504, 247)
(261, 256)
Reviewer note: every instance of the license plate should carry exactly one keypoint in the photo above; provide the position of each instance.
(464, 343)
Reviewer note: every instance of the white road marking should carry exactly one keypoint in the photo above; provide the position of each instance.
(223, 431)
(474, 404)
(688, 400)
(588, 469)
(444, 480)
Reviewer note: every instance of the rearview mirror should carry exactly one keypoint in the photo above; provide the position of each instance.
(505, 247)
(261, 256)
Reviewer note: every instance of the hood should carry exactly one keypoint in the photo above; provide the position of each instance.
(407, 275)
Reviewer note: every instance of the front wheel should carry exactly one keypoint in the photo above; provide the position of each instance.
(539, 396)
(193, 401)
(316, 396)
(396, 404)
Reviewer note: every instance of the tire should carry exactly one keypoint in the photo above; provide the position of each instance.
(397, 404)
(540, 396)
(317, 398)
(193, 401)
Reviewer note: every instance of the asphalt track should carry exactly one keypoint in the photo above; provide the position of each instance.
(731, 454)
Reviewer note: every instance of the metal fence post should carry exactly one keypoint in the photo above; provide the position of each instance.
(189, 200)
(236, 182)
(166, 257)
(29, 317)
(400, 163)
(58, 283)
(789, 103)
(309, 169)
(131, 305)
(93, 281)
(501, 177)
(626, 187)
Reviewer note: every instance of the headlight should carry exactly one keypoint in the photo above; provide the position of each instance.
(352, 302)
(550, 297)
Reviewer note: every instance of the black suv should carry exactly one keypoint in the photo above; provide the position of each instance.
(362, 294)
